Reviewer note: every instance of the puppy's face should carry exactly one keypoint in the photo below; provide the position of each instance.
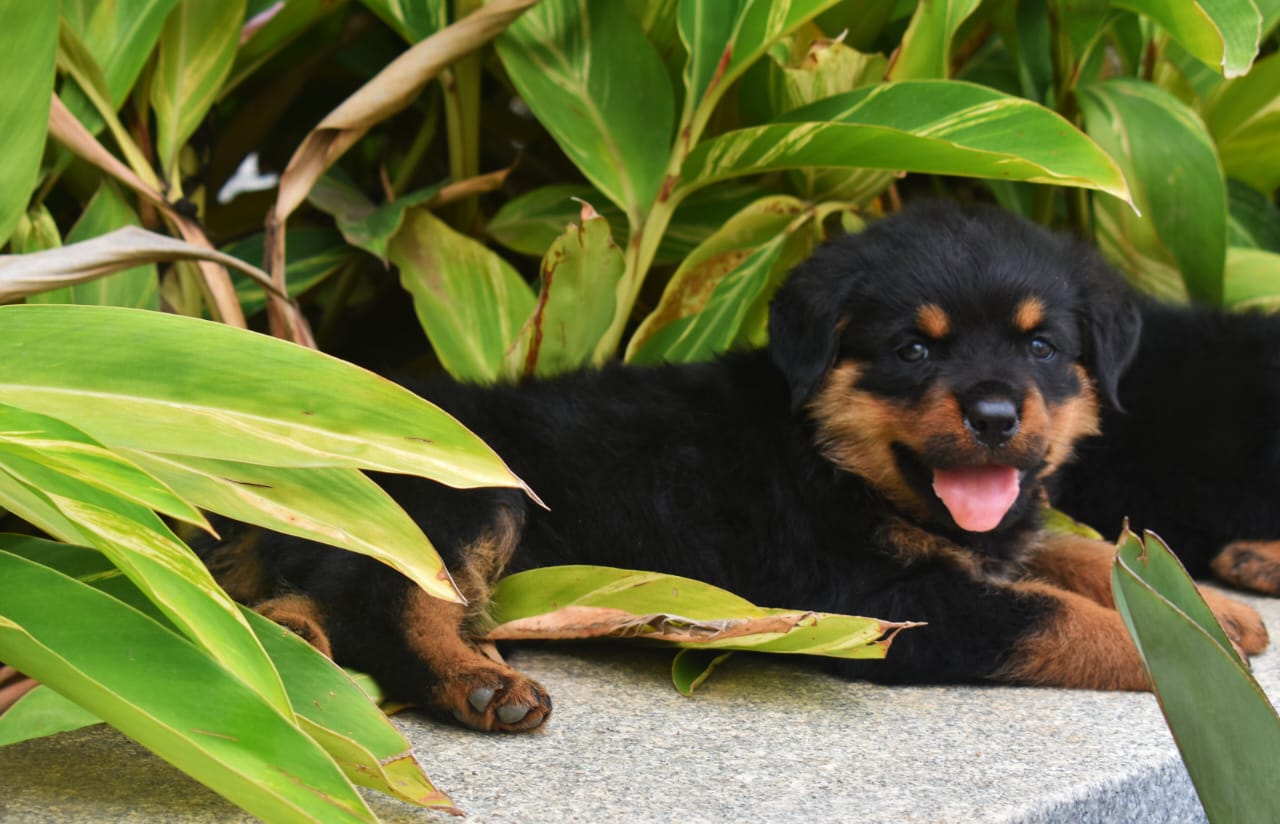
(956, 406)
(958, 374)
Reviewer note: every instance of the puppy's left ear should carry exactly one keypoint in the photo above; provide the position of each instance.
(805, 319)
(1112, 320)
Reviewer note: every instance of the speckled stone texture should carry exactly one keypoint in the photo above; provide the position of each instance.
(764, 739)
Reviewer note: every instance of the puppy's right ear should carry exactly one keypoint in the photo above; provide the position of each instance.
(805, 320)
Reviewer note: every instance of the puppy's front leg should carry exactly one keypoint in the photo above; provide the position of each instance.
(1083, 565)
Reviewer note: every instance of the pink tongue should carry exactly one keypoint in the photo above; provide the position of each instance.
(977, 497)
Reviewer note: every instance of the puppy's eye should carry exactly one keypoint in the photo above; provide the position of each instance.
(913, 352)
(1041, 349)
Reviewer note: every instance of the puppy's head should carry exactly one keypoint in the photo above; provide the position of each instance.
(952, 357)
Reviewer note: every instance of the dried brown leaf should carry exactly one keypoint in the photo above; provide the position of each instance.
(577, 622)
(22, 275)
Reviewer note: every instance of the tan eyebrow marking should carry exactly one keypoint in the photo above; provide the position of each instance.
(1028, 315)
(933, 321)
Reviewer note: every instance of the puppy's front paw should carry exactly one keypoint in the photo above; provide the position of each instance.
(492, 698)
(1241, 622)
(1251, 565)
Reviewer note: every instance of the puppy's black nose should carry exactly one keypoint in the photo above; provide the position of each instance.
(993, 421)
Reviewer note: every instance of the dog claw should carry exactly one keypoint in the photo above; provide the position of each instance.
(480, 698)
(512, 713)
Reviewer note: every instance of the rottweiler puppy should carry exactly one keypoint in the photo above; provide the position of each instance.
(886, 455)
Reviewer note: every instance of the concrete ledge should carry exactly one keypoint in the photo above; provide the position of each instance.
(764, 740)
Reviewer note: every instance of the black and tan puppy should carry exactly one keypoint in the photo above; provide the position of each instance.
(885, 456)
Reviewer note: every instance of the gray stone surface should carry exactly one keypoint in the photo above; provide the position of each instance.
(765, 739)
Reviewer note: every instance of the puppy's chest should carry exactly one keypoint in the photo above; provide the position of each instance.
(997, 561)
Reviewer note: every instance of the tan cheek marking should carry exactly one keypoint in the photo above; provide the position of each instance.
(1070, 421)
(933, 321)
(855, 430)
(1028, 315)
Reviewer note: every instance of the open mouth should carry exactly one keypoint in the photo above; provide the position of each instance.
(978, 497)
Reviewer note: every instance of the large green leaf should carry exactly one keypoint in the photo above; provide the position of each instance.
(591, 602)
(330, 707)
(196, 48)
(207, 390)
(140, 544)
(1222, 33)
(107, 211)
(28, 46)
(166, 694)
(1174, 175)
(1243, 116)
(706, 302)
(576, 302)
(469, 300)
(934, 126)
(586, 70)
(341, 718)
(336, 506)
(925, 50)
(1225, 728)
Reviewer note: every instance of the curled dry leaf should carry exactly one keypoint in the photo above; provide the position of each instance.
(70, 132)
(598, 622)
(22, 275)
(390, 91)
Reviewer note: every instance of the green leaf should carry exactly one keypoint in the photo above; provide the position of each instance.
(925, 50)
(1243, 117)
(183, 386)
(363, 224)
(576, 302)
(1252, 280)
(107, 211)
(36, 231)
(531, 222)
(40, 713)
(1222, 33)
(708, 299)
(723, 38)
(1174, 175)
(469, 300)
(341, 718)
(273, 28)
(28, 47)
(70, 452)
(139, 543)
(1224, 726)
(691, 667)
(1252, 218)
(336, 506)
(414, 20)
(590, 602)
(163, 692)
(194, 57)
(933, 126)
(315, 253)
(587, 72)
(119, 36)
